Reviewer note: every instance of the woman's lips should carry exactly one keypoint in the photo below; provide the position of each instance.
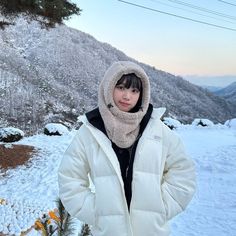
(124, 104)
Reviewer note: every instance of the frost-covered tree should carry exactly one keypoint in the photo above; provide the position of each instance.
(52, 11)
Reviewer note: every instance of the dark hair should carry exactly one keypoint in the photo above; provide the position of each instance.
(130, 80)
(133, 81)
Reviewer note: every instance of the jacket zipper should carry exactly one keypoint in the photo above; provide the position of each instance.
(130, 150)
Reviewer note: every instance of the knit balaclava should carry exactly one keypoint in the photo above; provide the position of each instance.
(122, 127)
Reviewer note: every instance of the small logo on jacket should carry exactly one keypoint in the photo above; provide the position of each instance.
(156, 137)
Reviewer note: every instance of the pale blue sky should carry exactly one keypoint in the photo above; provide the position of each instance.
(171, 44)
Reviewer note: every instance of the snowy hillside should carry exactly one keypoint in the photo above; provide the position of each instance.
(229, 92)
(53, 75)
(30, 191)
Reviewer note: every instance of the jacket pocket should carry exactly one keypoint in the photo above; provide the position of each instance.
(172, 207)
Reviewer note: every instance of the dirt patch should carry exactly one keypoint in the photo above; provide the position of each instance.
(12, 155)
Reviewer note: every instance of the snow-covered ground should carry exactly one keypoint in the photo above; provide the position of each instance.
(32, 190)
(213, 209)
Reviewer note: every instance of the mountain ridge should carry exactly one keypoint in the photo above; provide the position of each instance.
(53, 75)
(228, 93)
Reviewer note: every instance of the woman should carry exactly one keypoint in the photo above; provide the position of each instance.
(139, 168)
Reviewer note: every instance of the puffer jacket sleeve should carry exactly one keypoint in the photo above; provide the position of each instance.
(73, 180)
(178, 184)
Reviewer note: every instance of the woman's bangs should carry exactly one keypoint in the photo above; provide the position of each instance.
(130, 80)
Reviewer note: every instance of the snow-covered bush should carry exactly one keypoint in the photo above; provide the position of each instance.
(10, 134)
(231, 123)
(55, 129)
(202, 122)
(171, 123)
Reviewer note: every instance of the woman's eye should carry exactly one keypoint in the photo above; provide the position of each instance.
(120, 87)
(135, 90)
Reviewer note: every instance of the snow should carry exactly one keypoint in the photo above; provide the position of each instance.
(31, 190)
(203, 122)
(231, 123)
(212, 211)
(56, 128)
(171, 122)
(4, 132)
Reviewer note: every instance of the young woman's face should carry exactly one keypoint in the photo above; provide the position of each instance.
(125, 98)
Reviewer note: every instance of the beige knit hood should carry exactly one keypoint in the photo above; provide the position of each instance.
(122, 127)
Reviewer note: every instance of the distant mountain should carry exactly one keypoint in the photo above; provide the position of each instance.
(53, 75)
(219, 81)
(229, 93)
(211, 88)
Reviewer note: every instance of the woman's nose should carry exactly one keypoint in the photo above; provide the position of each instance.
(126, 95)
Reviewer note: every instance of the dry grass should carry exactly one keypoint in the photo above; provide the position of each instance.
(15, 155)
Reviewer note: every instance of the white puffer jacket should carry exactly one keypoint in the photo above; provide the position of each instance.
(163, 181)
